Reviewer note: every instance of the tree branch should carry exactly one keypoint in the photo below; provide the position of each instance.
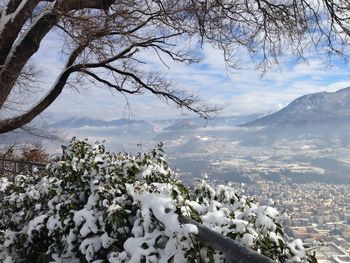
(29, 44)
(107, 83)
(69, 5)
(23, 51)
(181, 98)
(17, 122)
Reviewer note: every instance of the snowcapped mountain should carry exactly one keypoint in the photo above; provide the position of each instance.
(316, 107)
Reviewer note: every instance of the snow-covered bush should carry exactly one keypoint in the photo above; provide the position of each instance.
(94, 206)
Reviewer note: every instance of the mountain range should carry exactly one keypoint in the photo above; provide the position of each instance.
(82, 122)
(320, 107)
(168, 125)
(297, 137)
(306, 118)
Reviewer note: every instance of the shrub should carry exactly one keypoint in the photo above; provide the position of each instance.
(94, 206)
(34, 153)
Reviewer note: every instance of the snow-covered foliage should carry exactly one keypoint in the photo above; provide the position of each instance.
(94, 206)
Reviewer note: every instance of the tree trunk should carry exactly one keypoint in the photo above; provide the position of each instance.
(16, 55)
(11, 124)
(23, 51)
(13, 18)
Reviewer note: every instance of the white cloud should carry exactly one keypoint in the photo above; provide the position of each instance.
(241, 91)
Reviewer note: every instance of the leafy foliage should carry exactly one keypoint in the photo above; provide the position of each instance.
(94, 206)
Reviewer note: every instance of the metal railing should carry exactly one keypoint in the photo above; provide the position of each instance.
(15, 166)
(234, 251)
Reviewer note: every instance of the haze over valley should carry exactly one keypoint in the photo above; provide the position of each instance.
(286, 156)
(306, 141)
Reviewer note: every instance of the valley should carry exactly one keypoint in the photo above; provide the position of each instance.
(297, 158)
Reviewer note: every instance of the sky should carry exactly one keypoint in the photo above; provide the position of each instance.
(241, 91)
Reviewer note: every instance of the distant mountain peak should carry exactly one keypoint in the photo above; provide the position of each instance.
(86, 121)
(344, 90)
(315, 107)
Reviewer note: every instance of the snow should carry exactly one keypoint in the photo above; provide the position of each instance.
(160, 205)
(147, 171)
(297, 249)
(130, 206)
(107, 241)
(89, 246)
(4, 17)
(4, 183)
(274, 238)
(99, 159)
(214, 218)
(248, 239)
(86, 219)
(190, 229)
(4, 20)
(35, 224)
(9, 260)
(52, 223)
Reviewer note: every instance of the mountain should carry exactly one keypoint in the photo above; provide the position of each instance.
(186, 124)
(89, 122)
(128, 122)
(43, 136)
(320, 107)
(233, 120)
(195, 123)
(169, 124)
(78, 123)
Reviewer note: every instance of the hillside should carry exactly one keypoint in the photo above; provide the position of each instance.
(321, 107)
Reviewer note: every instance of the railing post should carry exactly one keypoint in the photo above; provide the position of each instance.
(2, 167)
(16, 168)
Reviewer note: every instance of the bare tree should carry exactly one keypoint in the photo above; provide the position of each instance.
(103, 40)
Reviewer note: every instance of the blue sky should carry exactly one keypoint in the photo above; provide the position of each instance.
(240, 91)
